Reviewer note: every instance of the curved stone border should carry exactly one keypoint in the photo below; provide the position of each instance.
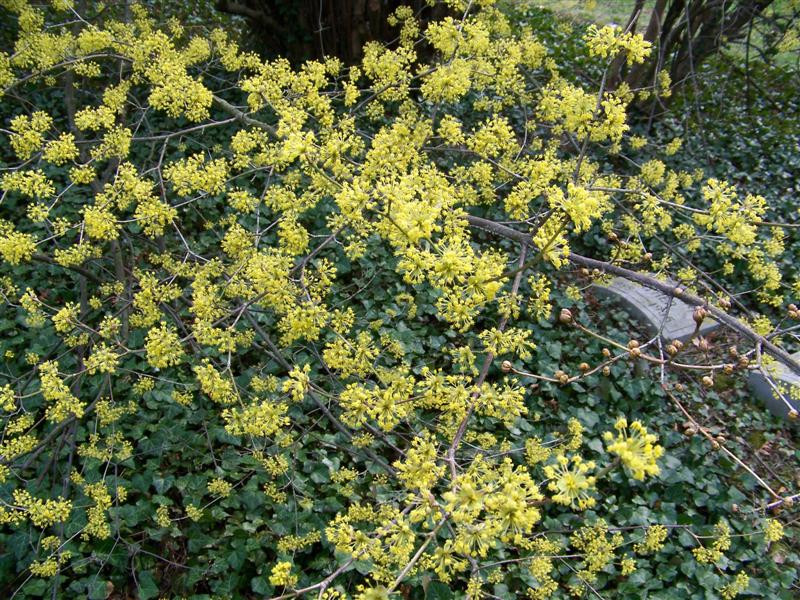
(656, 311)
(781, 376)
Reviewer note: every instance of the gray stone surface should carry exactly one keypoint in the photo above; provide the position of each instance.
(657, 311)
(781, 376)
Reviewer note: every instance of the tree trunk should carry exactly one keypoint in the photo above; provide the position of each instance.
(304, 29)
(684, 33)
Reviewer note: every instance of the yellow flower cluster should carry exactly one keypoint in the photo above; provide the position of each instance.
(62, 402)
(220, 487)
(636, 448)
(196, 174)
(738, 586)
(293, 543)
(103, 359)
(281, 575)
(61, 150)
(220, 389)
(28, 133)
(773, 531)
(598, 550)
(653, 540)
(714, 553)
(298, 383)
(16, 247)
(163, 347)
(419, 471)
(42, 513)
(260, 419)
(609, 40)
(32, 183)
(570, 481)
(97, 525)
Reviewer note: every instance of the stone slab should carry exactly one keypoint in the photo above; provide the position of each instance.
(655, 310)
(759, 387)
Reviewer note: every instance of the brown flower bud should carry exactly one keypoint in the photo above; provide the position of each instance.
(743, 362)
(679, 387)
(565, 316)
(703, 344)
(678, 344)
(725, 303)
(584, 367)
(633, 344)
(613, 237)
(635, 352)
(562, 377)
(672, 350)
(506, 366)
(727, 369)
(699, 315)
(793, 414)
(606, 352)
(648, 257)
(708, 382)
(606, 371)
(733, 352)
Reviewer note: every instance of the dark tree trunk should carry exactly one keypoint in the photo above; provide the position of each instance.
(303, 29)
(684, 33)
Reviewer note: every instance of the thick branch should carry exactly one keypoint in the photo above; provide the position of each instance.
(653, 283)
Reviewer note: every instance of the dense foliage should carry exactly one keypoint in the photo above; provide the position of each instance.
(274, 331)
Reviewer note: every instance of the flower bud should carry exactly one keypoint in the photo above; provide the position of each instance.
(506, 366)
(606, 371)
(708, 382)
(672, 350)
(606, 352)
(699, 315)
(584, 367)
(565, 316)
(793, 414)
(633, 344)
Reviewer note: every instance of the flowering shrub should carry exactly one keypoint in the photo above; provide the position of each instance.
(273, 330)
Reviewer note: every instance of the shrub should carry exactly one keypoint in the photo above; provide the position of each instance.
(281, 331)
